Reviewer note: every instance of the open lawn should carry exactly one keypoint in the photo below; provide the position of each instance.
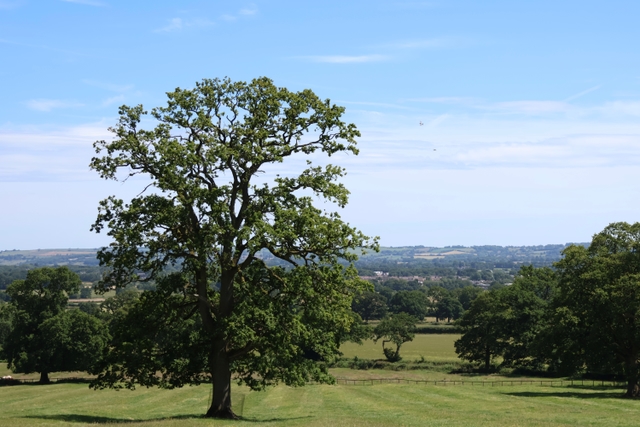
(437, 348)
(321, 405)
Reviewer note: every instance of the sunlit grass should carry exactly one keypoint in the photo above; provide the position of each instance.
(322, 405)
(433, 347)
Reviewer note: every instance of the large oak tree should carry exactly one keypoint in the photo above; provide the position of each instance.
(212, 214)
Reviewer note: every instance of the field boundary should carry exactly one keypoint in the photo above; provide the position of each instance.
(373, 381)
(496, 383)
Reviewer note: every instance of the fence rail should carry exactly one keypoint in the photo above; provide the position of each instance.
(496, 383)
(373, 381)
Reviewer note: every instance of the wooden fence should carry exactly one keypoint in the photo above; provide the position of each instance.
(495, 383)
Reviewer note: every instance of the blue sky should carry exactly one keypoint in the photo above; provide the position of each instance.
(531, 110)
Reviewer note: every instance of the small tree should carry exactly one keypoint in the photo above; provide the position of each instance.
(85, 293)
(397, 329)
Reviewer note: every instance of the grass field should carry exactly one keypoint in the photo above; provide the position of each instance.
(321, 405)
(376, 405)
(438, 348)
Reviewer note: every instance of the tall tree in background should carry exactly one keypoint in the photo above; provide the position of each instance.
(370, 305)
(598, 306)
(211, 212)
(482, 339)
(510, 322)
(44, 337)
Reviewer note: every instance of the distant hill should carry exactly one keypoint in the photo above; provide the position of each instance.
(86, 257)
(544, 254)
(513, 254)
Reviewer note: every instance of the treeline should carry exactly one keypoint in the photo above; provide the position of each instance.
(11, 273)
(39, 333)
(582, 316)
(413, 298)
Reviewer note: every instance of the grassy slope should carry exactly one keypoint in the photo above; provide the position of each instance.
(321, 405)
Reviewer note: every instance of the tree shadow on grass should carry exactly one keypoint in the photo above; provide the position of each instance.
(272, 420)
(91, 419)
(569, 394)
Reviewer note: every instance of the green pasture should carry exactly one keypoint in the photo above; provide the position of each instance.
(321, 405)
(434, 347)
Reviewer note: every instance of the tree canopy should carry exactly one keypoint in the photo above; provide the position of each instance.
(396, 329)
(217, 198)
(597, 315)
(42, 336)
(509, 322)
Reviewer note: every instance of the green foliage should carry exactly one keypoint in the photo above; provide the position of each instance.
(509, 322)
(396, 329)
(370, 306)
(212, 215)
(91, 308)
(481, 338)
(467, 294)
(597, 317)
(6, 321)
(448, 308)
(44, 337)
(72, 341)
(85, 293)
(414, 303)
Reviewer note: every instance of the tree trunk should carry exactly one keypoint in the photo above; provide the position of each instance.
(221, 379)
(487, 358)
(44, 378)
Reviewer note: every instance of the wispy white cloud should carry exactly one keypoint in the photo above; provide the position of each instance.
(47, 105)
(620, 108)
(375, 104)
(580, 94)
(245, 11)
(175, 24)
(250, 10)
(48, 153)
(345, 59)
(441, 118)
(113, 100)
(531, 107)
(87, 2)
(178, 24)
(454, 100)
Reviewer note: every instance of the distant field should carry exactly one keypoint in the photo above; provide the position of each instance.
(321, 405)
(432, 347)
